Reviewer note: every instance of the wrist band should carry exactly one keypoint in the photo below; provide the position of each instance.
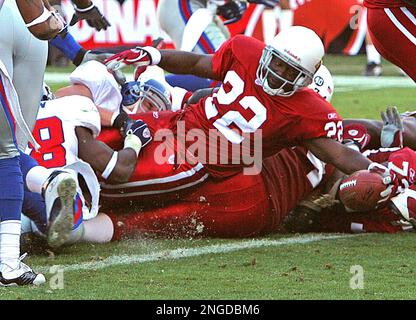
(154, 54)
(110, 165)
(42, 18)
(84, 9)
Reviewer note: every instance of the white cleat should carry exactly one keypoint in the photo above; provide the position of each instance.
(59, 195)
(21, 276)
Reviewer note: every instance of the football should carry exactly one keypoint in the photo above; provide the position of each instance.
(361, 190)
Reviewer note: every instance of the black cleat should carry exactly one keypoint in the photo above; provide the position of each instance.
(373, 70)
(23, 275)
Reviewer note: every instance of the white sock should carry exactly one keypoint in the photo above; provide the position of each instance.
(36, 177)
(372, 54)
(10, 242)
(286, 19)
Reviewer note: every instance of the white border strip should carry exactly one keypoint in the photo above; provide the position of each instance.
(173, 178)
(103, 193)
(399, 26)
(182, 253)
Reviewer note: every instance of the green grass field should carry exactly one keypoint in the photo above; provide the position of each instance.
(274, 267)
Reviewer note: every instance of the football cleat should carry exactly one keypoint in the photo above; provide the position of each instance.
(373, 70)
(21, 276)
(59, 193)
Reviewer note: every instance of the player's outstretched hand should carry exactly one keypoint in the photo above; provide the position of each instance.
(139, 57)
(390, 179)
(392, 132)
(92, 15)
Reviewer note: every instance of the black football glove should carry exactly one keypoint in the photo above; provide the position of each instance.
(94, 17)
(267, 3)
(139, 129)
(232, 11)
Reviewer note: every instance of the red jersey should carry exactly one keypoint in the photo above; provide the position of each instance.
(401, 161)
(382, 220)
(242, 111)
(238, 206)
(289, 176)
(373, 4)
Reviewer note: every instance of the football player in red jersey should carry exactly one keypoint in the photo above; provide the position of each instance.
(397, 214)
(238, 206)
(263, 89)
(392, 27)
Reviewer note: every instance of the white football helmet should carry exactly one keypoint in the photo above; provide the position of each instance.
(323, 83)
(299, 51)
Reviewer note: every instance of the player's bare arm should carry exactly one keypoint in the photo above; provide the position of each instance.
(39, 20)
(330, 151)
(374, 128)
(98, 155)
(174, 61)
(182, 62)
(74, 89)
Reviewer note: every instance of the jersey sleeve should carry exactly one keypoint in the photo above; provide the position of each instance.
(313, 118)
(100, 82)
(242, 50)
(314, 127)
(226, 55)
(83, 113)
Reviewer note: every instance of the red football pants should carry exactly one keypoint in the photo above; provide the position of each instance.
(235, 207)
(393, 31)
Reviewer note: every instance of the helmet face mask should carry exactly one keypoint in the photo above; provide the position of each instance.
(144, 96)
(283, 82)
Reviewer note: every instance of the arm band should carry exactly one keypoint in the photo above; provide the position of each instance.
(68, 45)
(110, 165)
(84, 9)
(155, 55)
(42, 18)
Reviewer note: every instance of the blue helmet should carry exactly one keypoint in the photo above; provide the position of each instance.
(148, 95)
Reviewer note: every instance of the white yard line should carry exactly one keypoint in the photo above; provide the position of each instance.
(182, 253)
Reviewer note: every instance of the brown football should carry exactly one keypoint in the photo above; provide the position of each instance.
(361, 190)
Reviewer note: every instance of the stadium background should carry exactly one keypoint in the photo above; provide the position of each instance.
(134, 22)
